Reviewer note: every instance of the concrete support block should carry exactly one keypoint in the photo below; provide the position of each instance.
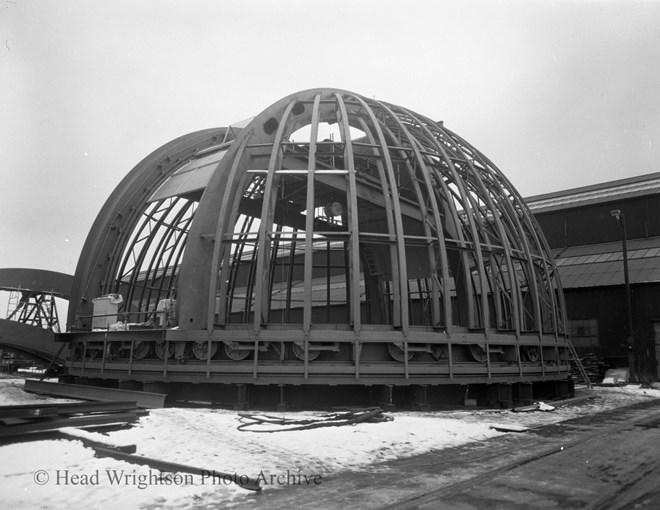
(66, 379)
(130, 385)
(242, 398)
(561, 388)
(283, 404)
(571, 387)
(386, 396)
(470, 397)
(418, 400)
(523, 394)
(500, 395)
(154, 387)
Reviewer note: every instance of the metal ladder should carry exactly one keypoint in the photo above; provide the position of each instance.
(579, 365)
(372, 262)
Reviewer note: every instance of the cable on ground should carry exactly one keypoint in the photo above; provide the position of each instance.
(251, 422)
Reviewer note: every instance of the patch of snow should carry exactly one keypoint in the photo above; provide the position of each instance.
(31, 370)
(616, 376)
(83, 434)
(12, 394)
(62, 474)
(209, 439)
(545, 407)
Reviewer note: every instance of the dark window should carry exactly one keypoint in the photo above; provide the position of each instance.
(584, 332)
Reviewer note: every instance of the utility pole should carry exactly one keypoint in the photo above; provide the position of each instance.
(621, 219)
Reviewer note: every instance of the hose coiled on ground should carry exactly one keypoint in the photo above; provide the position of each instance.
(250, 422)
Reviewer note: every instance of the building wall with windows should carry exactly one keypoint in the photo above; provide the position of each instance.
(586, 241)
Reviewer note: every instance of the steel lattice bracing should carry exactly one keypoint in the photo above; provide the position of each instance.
(136, 242)
(35, 309)
(332, 238)
(147, 270)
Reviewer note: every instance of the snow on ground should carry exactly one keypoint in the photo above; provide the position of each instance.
(12, 394)
(209, 439)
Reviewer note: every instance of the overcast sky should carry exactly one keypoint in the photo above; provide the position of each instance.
(558, 94)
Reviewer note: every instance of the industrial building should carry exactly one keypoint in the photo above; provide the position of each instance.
(585, 228)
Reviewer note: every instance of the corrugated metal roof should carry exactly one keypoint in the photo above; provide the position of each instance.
(651, 245)
(600, 265)
(599, 193)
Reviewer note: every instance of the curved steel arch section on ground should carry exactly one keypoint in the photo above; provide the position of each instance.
(97, 270)
(30, 340)
(36, 280)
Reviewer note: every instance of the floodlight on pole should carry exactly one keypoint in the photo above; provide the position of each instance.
(621, 219)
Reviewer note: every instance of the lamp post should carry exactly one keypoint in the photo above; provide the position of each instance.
(621, 219)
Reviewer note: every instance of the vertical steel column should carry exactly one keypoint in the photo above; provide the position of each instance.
(266, 226)
(621, 219)
(400, 289)
(388, 212)
(508, 213)
(540, 240)
(426, 173)
(521, 230)
(476, 245)
(231, 266)
(309, 221)
(504, 239)
(354, 231)
(223, 224)
(435, 284)
(430, 139)
(289, 279)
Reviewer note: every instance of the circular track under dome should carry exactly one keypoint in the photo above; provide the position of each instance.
(331, 230)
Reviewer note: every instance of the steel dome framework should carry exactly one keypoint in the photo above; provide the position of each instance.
(333, 239)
